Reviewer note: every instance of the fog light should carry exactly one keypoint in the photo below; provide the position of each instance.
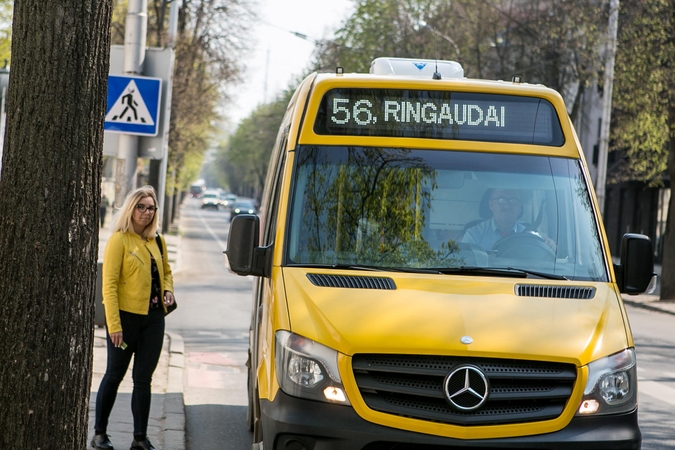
(295, 445)
(588, 407)
(335, 394)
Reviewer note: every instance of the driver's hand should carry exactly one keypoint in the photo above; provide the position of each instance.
(551, 243)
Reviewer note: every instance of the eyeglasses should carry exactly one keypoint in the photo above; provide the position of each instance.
(142, 208)
(502, 201)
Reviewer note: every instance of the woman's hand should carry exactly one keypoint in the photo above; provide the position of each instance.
(169, 299)
(116, 338)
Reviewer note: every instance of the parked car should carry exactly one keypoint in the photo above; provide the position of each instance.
(211, 199)
(243, 206)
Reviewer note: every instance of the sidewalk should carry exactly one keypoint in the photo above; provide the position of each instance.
(166, 426)
(651, 302)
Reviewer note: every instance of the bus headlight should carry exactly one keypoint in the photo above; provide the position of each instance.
(307, 369)
(612, 385)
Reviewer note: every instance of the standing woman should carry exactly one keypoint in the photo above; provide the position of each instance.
(137, 288)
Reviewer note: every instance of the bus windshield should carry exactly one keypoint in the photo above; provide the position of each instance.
(394, 208)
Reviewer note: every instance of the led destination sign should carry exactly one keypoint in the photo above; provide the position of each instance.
(438, 115)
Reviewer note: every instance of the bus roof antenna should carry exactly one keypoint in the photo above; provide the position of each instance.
(437, 74)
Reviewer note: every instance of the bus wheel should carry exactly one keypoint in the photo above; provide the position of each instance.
(250, 411)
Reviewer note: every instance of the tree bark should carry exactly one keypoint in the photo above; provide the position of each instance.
(49, 203)
(668, 269)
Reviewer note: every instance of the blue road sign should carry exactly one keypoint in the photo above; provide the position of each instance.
(133, 105)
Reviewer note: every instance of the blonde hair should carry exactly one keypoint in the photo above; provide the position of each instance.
(122, 219)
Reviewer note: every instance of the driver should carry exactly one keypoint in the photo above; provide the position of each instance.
(506, 207)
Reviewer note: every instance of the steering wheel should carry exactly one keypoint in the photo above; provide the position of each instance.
(525, 245)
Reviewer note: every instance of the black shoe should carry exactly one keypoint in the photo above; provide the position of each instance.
(102, 441)
(141, 445)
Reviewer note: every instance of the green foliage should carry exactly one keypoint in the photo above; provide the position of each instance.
(118, 22)
(190, 170)
(372, 204)
(6, 7)
(553, 42)
(377, 28)
(643, 90)
(365, 205)
(211, 36)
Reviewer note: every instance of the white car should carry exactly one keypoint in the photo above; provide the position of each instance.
(211, 199)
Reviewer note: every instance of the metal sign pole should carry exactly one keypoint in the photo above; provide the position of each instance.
(135, 33)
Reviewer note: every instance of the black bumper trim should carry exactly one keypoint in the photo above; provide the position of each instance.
(325, 426)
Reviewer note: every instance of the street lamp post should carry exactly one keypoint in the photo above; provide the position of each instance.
(603, 148)
(4, 83)
(135, 32)
(297, 34)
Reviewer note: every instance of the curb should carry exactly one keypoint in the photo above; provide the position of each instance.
(174, 408)
(648, 306)
(173, 249)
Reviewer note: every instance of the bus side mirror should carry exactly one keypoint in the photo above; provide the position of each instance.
(244, 257)
(635, 274)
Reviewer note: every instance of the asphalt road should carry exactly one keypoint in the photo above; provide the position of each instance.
(213, 318)
(655, 349)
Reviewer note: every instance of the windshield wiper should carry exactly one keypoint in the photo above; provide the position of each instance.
(549, 276)
(462, 270)
(369, 268)
(499, 271)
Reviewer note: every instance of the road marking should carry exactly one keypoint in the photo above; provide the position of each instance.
(208, 228)
(659, 391)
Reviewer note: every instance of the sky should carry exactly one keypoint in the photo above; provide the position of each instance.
(280, 54)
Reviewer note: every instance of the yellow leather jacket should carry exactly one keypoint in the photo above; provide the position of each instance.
(127, 277)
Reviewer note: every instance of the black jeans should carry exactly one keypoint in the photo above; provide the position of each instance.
(144, 336)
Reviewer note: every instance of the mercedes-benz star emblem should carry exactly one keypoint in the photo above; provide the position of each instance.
(466, 340)
(466, 388)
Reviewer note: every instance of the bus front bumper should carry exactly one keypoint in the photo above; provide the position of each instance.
(291, 423)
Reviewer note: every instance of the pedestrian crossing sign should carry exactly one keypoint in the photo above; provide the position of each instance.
(133, 105)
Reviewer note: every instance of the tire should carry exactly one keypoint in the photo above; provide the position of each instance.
(257, 423)
(250, 411)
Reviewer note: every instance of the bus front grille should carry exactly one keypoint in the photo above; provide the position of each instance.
(518, 391)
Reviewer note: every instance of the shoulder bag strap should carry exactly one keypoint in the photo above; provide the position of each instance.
(159, 244)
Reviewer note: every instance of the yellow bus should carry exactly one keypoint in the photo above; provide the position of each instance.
(432, 272)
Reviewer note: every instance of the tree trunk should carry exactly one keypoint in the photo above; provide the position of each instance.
(49, 205)
(668, 268)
